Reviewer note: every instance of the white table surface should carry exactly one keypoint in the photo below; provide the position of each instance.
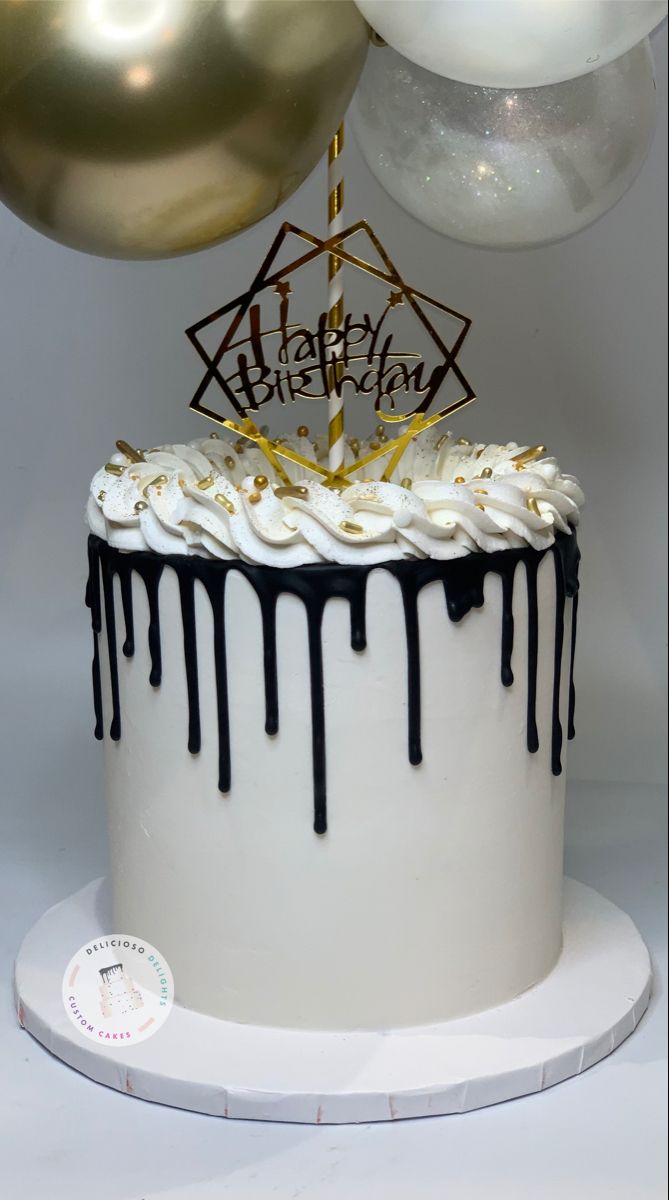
(597, 1137)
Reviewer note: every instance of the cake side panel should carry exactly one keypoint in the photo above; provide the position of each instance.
(436, 890)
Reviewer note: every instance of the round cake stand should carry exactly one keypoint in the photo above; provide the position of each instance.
(588, 1005)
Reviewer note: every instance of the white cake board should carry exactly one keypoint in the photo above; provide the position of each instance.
(588, 1005)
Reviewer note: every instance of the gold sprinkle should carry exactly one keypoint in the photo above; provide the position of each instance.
(303, 431)
(380, 430)
(355, 445)
(486, 473)
(442, 440)
(102, 495)
(406, 483)
(526, 456)
(459, 479)
(463, 441)
(154, 483)
(350, 527)
(480, 452)
(130, 452)
(518, 467)
(141, 506)
(260, 482)
(294, 491)
(533, 506)
(239, 447)
(255, 498)
(224, 502)
(480, 491)
(374, 445)
(204, 484)
(229, 462)
(481, 506)
(114, 469)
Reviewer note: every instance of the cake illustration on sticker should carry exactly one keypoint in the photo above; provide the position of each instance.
(118, 994)
(333, 668)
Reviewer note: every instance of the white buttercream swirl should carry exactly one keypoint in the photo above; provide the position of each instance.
(462, 498)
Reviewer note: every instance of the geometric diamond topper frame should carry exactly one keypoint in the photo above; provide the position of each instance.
(310, 363)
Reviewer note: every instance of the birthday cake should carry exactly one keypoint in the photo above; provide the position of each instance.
(335, 722)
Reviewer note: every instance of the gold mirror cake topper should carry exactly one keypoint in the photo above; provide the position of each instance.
(255, 365)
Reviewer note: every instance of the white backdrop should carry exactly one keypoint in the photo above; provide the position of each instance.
(567, 349)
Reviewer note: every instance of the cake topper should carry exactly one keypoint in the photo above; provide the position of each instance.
(266, 355)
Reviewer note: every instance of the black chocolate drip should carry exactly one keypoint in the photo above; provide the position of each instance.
(463, 582)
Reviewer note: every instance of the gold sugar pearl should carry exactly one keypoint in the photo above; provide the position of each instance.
(303, 431)
(480, 491)
(114, 469)
(239, 447)
(229, 462)
(204, 484)
(261, 482)
(374, 446)
(254, 498)
(486, 473)
(294, 491)
(459, 479)
(102, 496)
(355, 446)
(463, 441)
(533, 505)
(224, 502)
(141, 506)
(406, 483)
(350, 527)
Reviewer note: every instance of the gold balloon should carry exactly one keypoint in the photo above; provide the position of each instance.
(147, 128)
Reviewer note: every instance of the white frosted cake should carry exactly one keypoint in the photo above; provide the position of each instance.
(335, 725)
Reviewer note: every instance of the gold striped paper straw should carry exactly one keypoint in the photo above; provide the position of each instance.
(335, 298)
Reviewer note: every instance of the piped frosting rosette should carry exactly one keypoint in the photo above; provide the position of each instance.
(448, 498)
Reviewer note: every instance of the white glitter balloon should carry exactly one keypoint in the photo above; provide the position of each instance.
(505, 169)
(512, 43)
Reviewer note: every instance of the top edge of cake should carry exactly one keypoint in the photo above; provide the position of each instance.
(221, 499)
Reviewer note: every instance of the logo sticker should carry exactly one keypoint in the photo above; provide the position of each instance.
(118, 990)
